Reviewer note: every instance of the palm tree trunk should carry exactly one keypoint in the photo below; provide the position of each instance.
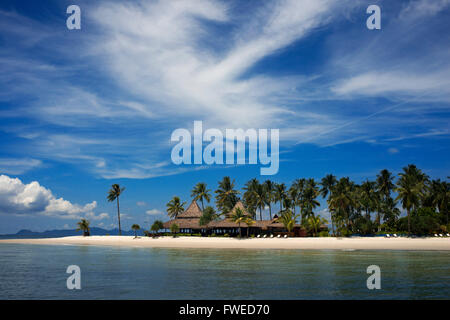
(270, 212)
(118, 216)
(260, 213)
(203, 209)
(409, 223)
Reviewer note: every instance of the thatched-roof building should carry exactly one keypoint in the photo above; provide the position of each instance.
(189, 222)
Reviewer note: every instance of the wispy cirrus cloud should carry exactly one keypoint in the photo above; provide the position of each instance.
(141, 69)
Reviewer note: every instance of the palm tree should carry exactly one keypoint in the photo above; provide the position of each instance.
(269, 187)
(384, 187)
(135, 227)
(409, 188)
(157, 225)
(175, 207)
(367, 196)
(328, 182)
(249, 221)
(200, 192)
(226, 195)
(441, 197)
(310, 194)
(255, 195)
(83, 225)
(341, 200)
(288, 219)
(208, 215)
(238, 217)
(249, 196)
(316, 222)
(113, 194)
(174, 228)
(280, 194)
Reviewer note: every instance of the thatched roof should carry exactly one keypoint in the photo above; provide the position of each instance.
(241, 206)
(193, 211)
(184, 223)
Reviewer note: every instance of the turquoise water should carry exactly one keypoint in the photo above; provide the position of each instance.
(39, 272)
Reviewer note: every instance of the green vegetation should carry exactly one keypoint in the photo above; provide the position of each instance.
(113, 194)
(83, 225)
(209, 214)
(175, 207)
(372, 207)
(174, 228)
(135, 228)
(200, 192)
(239, 217)
(156, 226)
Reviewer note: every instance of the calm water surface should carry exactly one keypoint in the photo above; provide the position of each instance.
(39, 272)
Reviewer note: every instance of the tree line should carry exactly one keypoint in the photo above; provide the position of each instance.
(367, 208)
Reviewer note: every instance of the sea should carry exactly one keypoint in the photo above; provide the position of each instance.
(40, 272)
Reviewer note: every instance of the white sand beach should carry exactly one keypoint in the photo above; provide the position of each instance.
(330, 243)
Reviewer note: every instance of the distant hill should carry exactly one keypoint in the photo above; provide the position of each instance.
(27, 234)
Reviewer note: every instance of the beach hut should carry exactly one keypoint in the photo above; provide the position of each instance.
(188, 221)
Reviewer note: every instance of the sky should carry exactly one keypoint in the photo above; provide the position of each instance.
(83, 109)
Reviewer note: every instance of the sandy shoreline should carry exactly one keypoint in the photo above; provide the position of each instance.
(232, 243)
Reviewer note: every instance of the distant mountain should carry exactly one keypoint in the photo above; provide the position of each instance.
(26, 234)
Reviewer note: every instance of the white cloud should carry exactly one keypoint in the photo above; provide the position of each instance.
(33, 199)
(153, 212)
(18, 166)
(393, 150)
(141, 203)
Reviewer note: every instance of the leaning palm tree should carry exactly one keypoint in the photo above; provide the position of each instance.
(135, 228)
(238, 217)
(113, 194)
(175, 207)
(83, 225)
(200, 192)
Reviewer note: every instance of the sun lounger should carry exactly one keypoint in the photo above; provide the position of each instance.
(285, 236)
(278, 236)
(271, 235)
(395, 235)
(435, 235)
(440, 235)
(265, 236)
(448, 234)
(258, 236)
(388, 235)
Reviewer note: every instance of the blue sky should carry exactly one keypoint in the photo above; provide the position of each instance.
(82, 109)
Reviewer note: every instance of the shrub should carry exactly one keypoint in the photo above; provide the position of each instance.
(226, 235)
(324, 234)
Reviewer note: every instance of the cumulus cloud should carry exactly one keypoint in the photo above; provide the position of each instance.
(33, 199)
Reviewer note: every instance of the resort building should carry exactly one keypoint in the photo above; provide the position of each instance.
(189, 222)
